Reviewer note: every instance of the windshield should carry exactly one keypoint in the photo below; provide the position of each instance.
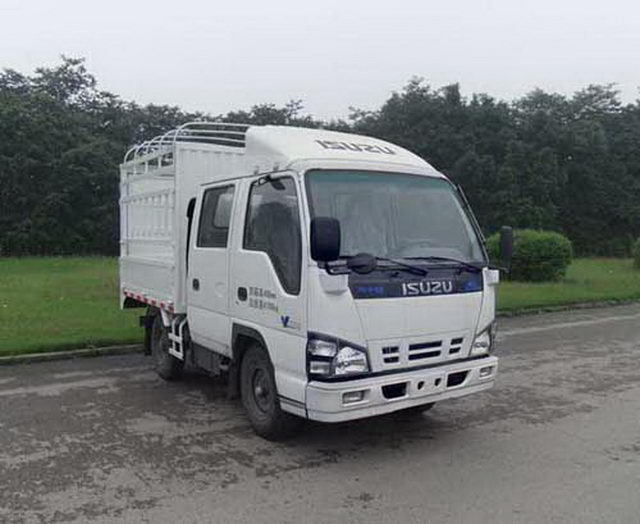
(394, 214)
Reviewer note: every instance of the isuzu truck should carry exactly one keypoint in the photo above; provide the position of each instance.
(331, 276)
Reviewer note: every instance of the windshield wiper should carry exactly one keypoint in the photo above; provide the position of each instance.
(416, 270)
(366, 263)
(469, 265)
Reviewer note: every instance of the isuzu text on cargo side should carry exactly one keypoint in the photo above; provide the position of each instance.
(332, 276)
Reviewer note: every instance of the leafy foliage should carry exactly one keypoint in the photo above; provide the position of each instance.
(544, 161)
(636, 254)
(537, 255)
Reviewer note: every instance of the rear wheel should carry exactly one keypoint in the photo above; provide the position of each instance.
(166, 365)
(260, 397)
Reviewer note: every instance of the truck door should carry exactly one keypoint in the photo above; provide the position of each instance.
(268, 276)
(208, 272)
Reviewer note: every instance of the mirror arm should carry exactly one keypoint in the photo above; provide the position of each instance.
(506, 247)
(336, 267)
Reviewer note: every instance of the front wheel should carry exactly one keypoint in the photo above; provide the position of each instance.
(260, 397)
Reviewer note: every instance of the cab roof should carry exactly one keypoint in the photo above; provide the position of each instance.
(293, 144)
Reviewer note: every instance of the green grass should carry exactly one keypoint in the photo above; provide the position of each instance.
(63, 303)
(587, 280)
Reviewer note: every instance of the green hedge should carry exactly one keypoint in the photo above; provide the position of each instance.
(636, 254)
(537, 255)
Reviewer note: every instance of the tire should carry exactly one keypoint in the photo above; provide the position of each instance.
(166, 365)
(260, 397)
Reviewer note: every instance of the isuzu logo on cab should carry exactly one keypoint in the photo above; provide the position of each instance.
(428, 287)
(353, 146)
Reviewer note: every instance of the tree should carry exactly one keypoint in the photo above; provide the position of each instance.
(570, 164)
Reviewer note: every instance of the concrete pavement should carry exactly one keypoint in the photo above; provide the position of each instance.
(558, 440)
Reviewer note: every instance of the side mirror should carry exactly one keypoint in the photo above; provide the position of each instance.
(325, 239)
(506, 246)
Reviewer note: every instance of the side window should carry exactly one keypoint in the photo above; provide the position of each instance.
(273, 226)
(215, 215)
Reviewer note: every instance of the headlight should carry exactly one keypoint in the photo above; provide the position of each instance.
(330, 357)
(483, 342)
(350, 360)
(322, 348)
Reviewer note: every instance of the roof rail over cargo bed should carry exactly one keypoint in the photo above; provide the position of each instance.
(215, 133)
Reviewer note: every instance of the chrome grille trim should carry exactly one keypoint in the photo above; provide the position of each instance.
(419, 351)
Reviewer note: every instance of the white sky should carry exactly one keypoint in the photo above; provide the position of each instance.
(217, 56)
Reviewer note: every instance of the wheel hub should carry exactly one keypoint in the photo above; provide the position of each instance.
(261, 391)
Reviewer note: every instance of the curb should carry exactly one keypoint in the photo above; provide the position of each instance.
(30, 358)
(566, 307)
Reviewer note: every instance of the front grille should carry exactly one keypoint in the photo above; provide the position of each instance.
(425, 345)
(425, 350)
(391, 354)
(456, 345)
(420, 356)
(409, 353)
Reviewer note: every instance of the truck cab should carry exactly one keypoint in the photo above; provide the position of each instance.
(333, 276)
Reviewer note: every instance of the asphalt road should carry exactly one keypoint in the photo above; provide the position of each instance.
(558, 440)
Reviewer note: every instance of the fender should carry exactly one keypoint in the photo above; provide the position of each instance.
(239, 333)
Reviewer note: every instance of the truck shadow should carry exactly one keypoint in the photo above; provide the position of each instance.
(389, 431)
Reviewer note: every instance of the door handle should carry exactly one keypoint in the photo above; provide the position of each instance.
(195, 283)
(242, 294)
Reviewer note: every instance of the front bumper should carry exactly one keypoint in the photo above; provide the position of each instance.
(387, 393)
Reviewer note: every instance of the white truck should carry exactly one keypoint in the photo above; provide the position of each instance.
(331, 276)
